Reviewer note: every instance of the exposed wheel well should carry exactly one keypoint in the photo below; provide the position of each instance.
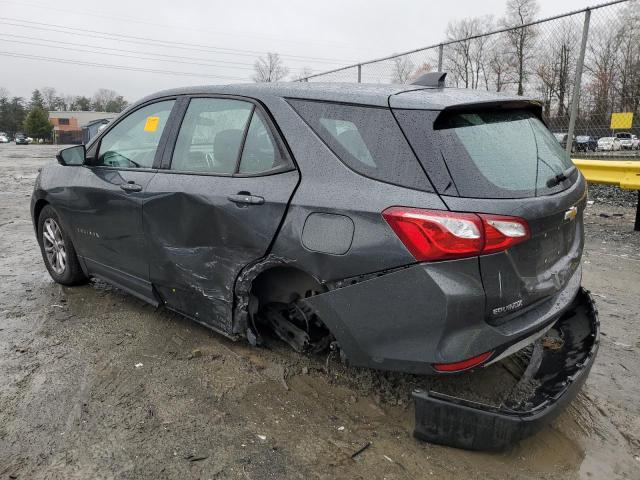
(284, 284)
(274, 304)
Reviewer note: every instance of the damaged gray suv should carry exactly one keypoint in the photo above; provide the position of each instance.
(415, 228)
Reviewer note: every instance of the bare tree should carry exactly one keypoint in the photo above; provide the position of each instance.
(50, 96)
(269, 69)
(421, 70)
(402, 70)
(102, 98)
(467, 58)
(602, 69)
(627, 87)
(555, 69)
(303, 74)
(521, 39)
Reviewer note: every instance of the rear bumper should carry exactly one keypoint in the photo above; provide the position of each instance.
(411, 318)
(559, 375)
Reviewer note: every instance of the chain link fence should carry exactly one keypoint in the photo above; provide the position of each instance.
(584, 68)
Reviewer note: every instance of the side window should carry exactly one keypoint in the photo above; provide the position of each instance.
(367, 139)
(133, 142)
(261, 153)
(211, 136)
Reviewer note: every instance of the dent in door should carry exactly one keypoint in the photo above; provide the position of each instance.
(200, 241)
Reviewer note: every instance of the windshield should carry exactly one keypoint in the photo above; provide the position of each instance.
(491, 153)
(623, 135)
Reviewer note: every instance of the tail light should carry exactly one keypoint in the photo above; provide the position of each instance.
(442, 235)
(463, 365)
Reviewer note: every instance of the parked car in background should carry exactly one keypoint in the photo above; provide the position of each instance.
(626, 140)
(586, 143)
(22, 139)
(435, 250)
(606, 144)
(562, 139)
(4, 138)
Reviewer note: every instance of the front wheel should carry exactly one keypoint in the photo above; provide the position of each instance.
(58, 252)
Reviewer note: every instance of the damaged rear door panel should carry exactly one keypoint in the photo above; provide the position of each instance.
(216, 207)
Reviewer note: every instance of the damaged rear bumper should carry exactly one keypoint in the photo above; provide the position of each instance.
(559, 373)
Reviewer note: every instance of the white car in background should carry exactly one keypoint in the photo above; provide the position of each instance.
(608, 144)
(626, 140)
(4, 138)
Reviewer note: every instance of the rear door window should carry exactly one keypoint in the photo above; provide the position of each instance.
(366, 139)
(211, 136)
(489, 154)
(261, 153)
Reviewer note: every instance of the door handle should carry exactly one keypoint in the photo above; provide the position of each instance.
(130, 187)
(245, 199)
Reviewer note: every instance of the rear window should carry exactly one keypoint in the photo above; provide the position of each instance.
(366, 139)
(623, 135)
(489, 154)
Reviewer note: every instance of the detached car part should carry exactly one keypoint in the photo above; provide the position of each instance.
(558, 372)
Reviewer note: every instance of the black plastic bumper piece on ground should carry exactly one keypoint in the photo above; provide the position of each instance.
(460, 423)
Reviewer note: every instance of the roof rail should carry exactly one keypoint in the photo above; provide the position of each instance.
(431, 79)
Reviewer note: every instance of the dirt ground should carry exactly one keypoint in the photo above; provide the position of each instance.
(96, 384)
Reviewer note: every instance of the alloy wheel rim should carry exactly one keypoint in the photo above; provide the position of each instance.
(54, 246)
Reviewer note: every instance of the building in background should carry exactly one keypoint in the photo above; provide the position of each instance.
(90, 129)
(77, 127)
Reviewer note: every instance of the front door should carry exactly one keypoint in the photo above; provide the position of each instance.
(106, 210)
(217, 206)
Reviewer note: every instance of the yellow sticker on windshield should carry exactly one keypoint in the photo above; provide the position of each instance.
(151, 125)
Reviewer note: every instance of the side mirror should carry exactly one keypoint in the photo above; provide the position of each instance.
(75, 155)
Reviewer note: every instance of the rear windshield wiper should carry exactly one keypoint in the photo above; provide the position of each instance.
(561, 177)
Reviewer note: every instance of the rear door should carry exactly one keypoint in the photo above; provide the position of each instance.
(503, 161)
(216, 205)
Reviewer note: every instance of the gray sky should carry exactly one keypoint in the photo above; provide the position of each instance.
(226, 35)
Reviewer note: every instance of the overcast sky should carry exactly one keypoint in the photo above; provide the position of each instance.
(212, 41)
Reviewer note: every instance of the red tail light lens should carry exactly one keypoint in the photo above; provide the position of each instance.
(463, 365)
(432, 235)
(502, 232)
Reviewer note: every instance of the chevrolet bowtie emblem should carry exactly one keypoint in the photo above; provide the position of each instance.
(571, 213)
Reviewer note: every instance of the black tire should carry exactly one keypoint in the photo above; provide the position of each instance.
(70, 273)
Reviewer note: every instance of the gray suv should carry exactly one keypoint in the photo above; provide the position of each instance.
(415, 228)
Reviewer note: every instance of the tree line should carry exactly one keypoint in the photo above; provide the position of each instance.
(32, 118)
(535, 60)
(540, 61)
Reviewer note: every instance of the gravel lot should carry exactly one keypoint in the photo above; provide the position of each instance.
(73, 403)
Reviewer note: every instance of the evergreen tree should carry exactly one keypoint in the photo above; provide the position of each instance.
(37, 123)
(12, 113)
(37, 100)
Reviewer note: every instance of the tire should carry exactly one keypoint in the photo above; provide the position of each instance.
(57, 250)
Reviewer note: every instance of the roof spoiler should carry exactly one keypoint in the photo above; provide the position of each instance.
(431, 79)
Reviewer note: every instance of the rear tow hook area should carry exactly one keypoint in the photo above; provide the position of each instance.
(557, 370)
